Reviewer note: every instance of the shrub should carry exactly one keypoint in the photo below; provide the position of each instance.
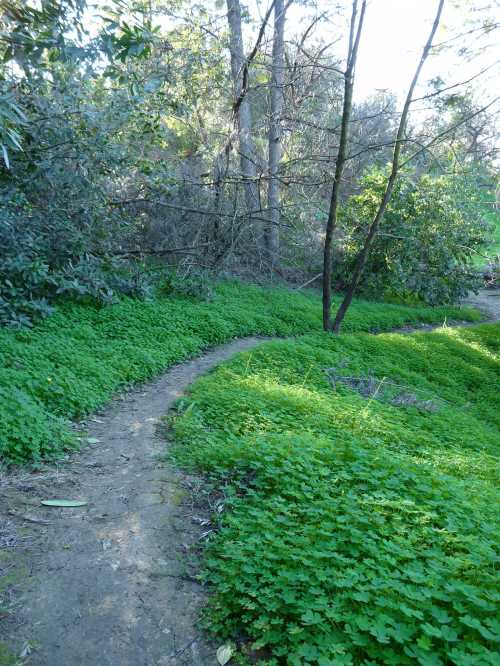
(429, 237)
(193, 284)
(41, 263)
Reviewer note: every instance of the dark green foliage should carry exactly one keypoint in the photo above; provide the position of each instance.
(58, 232)
(41, 263)
(354, 532)
(74, 361)
(194, 284)
(431, 233)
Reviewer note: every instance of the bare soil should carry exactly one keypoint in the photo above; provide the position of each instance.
(107, 584)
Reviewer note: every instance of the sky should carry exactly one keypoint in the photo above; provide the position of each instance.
(393, 37)
(394, 34)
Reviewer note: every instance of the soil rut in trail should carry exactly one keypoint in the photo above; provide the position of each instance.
(105, 585)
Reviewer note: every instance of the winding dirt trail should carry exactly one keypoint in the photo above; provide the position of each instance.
(106, 584)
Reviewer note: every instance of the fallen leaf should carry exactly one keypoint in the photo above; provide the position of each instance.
(224, 654)
(63, 502)
(93, 440)
(25, 651)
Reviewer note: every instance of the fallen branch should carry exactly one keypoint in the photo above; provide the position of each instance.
(309, 281)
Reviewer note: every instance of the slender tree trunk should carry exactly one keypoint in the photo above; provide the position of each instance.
(244, 116)
(363, 255)
(271, 230)
(354, 38)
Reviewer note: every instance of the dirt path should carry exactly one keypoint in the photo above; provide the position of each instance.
(487, 300)
(106, 585)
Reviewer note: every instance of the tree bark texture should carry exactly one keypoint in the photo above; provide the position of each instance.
(363, 255)
(247, 153)
(271, 230)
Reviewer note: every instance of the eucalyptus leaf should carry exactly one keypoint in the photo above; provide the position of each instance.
(63, 502)
(5, 156)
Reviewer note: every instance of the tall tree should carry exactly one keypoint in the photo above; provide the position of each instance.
(239, 71)
(362, 256)
(271, 231)
(352, 53)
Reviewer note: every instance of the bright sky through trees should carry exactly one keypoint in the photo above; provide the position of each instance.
(393, 35)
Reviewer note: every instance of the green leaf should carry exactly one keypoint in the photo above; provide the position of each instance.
(63, 502)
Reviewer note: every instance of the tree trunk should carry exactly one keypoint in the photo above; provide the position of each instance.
(352, 53)
(363, 255)
(271, 230)
(244, 115)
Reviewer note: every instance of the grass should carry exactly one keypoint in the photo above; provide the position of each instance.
(75, 361)
(354, 531)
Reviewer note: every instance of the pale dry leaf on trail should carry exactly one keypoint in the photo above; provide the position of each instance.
(224, 654)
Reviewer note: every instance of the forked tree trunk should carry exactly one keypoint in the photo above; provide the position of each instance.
(271, 229)
(363, 255)
(352, 54)
(244, 116)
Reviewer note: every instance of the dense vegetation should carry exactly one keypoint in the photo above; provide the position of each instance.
(412, 264)
(123, 136)
(355, 529)
(73, 362)
(152, 151)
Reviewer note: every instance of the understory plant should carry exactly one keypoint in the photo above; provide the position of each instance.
(352, 531)
(432, 232)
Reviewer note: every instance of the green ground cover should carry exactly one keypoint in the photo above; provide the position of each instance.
(74, 362)
(355, 530)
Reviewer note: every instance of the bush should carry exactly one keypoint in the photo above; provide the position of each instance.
(58, 231)
(354, 531)
(40, 263)
(193, 284)
(429, 237)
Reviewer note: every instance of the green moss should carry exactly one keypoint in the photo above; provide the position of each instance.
(74, 362)
(355, 531)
